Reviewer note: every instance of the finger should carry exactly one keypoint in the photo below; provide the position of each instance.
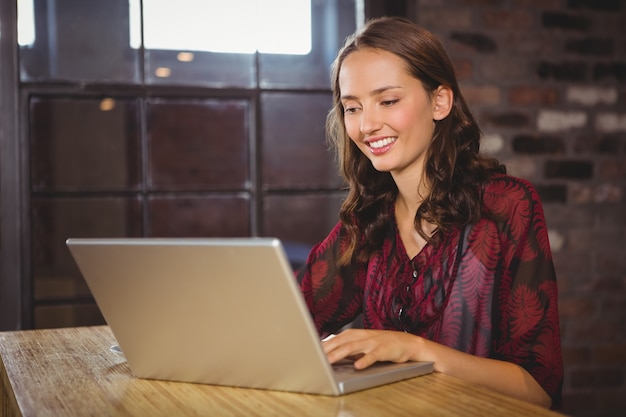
(341, 352)
(347, 349)
(333, 341)
(365, 361)
(356, 357)
(337, 351)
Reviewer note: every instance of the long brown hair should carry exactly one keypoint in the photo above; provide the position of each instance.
(454, 169)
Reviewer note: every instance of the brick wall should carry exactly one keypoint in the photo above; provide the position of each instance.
(547, 82)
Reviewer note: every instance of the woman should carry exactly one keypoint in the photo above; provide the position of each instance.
(445, 256)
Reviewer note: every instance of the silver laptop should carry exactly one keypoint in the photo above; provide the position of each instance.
(224, 311)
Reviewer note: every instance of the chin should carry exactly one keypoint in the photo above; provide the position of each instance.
(382, 168)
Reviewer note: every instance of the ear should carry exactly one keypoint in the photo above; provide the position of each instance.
(442, 102)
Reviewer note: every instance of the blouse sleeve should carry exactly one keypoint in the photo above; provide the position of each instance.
(527, 322)
(333, 294)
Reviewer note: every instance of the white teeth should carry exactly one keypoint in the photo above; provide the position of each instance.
(380, 143)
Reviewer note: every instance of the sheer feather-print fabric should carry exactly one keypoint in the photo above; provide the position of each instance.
(489, 289)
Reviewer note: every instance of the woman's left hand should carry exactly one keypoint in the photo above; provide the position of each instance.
(368, 346)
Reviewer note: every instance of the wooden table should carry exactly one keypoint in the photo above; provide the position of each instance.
(72, 372)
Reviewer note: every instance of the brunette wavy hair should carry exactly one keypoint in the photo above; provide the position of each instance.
(454, 168)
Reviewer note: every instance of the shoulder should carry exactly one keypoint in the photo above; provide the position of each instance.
(509, 185)
(504, 194)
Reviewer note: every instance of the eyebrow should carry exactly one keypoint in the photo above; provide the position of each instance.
(372, 93)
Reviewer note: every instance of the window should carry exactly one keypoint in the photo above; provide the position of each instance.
(200, 43)
(244, 26)
(178, 138)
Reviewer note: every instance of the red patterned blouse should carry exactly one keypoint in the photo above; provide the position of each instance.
(488, 289)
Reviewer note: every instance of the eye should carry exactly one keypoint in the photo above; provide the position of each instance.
(389, 103)
(350, 110)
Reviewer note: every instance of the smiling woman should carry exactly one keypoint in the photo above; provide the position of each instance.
(443, 255)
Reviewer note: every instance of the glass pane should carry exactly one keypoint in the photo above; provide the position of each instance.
(100, 41)
(77, 40)
(236, 26)
(54, 220)
(198, 145)
(301, 219)
(48, 317)
(209, 216)
(206, 69)
(186, 54)
(294, 150)
(213, 43)
(84, 144)
(332, 22)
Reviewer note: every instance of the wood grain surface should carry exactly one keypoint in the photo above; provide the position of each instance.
(72, 372)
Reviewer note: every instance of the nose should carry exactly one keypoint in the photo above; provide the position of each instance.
(370, 120)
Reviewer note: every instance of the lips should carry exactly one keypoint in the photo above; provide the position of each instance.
(381, 145)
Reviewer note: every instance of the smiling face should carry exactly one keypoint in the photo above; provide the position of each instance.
(387, 112)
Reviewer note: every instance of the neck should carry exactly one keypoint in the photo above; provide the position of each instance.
(411, 193)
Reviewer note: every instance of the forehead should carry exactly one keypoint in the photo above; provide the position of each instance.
(370, 69)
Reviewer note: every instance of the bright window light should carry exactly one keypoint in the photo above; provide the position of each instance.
(243, 26)
(25, 23)
(235, 26)
(283, 26)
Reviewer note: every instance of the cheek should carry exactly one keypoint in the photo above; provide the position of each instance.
(414, 123)
(404, 120)
(352, 128)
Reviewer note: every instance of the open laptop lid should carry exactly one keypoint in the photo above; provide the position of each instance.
(217, 311)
